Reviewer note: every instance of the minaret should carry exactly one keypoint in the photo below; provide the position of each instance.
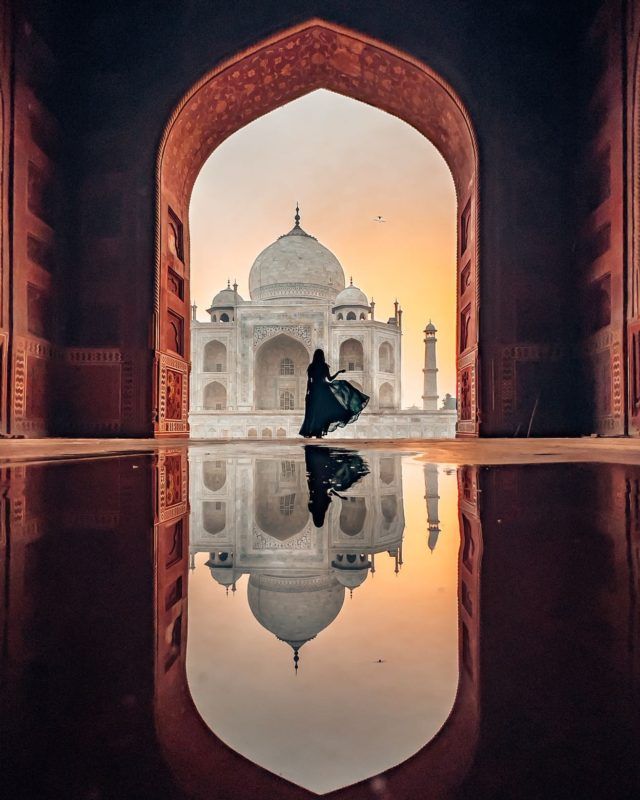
(430, 394)
(432, 497)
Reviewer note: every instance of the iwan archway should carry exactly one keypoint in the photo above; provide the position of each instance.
(310, 56)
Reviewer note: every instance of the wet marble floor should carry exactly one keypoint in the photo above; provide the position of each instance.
(279, 621)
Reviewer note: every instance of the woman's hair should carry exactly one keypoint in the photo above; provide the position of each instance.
(318, 357)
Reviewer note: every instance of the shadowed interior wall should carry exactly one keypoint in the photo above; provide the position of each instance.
(80, 152)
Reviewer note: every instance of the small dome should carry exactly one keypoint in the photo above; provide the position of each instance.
(296, 266)
(431, 328)
(225, 576)
(351, 296)
(227, 298)
(351, 578)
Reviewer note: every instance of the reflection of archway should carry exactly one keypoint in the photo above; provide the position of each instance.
(215, 357)
(214, 516)
(386, 360)
(215, 396)
(281, 498)
(387, 470)
(437, 769)
(389, 508)
(386, 396)
(351, 355)
(214, 475)
(311, 56)
(353, 513)
(280, 374)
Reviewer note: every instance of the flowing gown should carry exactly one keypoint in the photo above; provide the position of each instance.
(329, 471)
(329, 404)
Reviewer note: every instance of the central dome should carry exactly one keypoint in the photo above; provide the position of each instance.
(295, 608)
(296, 267)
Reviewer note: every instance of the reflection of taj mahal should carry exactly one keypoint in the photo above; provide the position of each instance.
(250, 359)
(251, 516)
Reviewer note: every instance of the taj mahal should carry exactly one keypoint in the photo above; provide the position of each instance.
(249, 359)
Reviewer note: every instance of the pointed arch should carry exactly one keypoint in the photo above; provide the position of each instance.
(312, 55)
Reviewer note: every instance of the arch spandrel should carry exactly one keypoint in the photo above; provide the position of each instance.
(316, 55)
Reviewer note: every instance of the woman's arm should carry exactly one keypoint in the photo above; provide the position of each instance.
(339, 372)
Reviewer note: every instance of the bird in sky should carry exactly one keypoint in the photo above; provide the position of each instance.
(379, 218)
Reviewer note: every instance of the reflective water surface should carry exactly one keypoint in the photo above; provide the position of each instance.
(323, 619)
(282, 621)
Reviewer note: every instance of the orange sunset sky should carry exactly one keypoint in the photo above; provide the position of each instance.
(346, 163)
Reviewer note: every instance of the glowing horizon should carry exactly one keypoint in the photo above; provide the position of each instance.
(346, 163)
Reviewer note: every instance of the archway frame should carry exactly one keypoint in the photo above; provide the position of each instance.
(288, 65)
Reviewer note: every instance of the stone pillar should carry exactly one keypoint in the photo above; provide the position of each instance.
(430, 371)
(432, 497)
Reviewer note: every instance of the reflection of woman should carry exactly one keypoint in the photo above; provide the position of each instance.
(330, 471)
(329, 404)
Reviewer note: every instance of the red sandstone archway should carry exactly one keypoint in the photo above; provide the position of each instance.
(313, 55)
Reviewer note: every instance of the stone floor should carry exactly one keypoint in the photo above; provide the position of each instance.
(458, 451)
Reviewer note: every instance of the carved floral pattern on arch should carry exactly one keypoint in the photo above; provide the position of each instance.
(312, 58)
(263, 332)
(465, 394)
(173, 480)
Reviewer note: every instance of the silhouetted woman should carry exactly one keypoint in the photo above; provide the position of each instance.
(329, 404)
(329, 471)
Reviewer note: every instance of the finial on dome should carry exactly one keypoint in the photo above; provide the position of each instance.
(228, 283)
(351, 281)
(297, 216)
(296, 658)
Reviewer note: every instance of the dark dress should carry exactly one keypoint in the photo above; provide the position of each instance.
(329, 471)
(329, 404)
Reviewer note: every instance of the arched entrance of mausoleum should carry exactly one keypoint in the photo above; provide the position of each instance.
(279, 374)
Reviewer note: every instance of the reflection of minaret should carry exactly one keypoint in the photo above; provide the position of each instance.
(430, 371)
(431, 496)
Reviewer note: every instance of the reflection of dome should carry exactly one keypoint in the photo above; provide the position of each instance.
(221, 568)
(297, 266)
(227, 298)
(351, 296)
(295, 608)
(223, 575)
(351, 578)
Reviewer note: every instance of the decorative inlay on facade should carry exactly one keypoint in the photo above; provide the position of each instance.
(616, 370)
(96, 356)
(172, 485)
(262, 541)
(294, 290)
(169, 368)
(263, 332)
